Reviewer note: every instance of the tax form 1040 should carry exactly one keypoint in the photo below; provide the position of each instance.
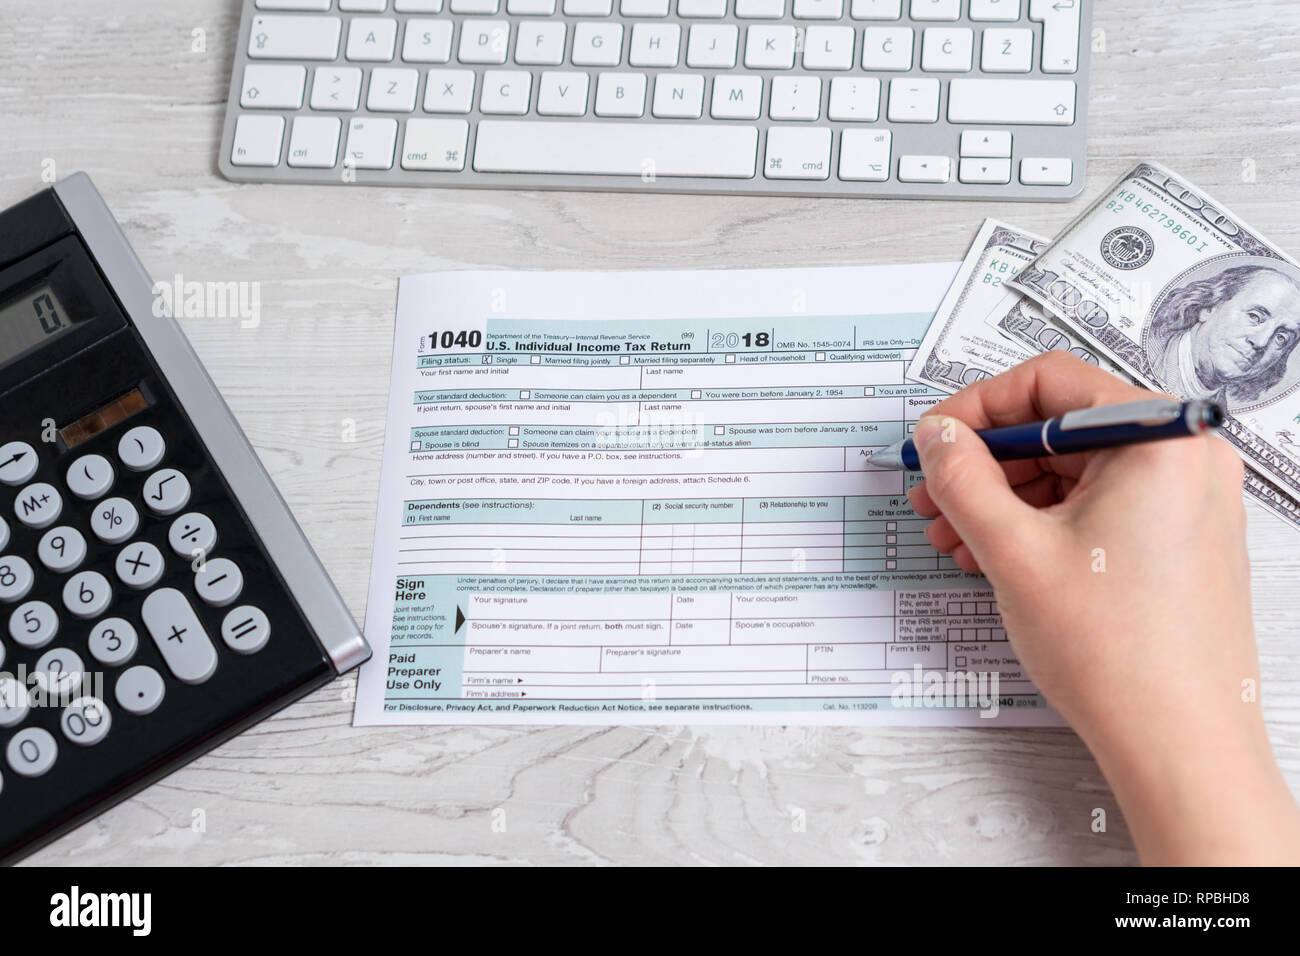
(644, 497)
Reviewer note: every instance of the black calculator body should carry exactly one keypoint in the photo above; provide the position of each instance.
(156, 595)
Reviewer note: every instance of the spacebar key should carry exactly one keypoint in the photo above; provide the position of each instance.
(616, 149)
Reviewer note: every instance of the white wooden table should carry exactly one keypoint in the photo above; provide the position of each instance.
(1212, 89)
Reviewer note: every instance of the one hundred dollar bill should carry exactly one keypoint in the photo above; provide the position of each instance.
(960, 347)
(1189, 300)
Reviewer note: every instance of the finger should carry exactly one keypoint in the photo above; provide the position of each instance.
(966, 560)
(943, 537)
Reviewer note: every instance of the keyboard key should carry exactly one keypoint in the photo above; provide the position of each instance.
(219, 582)
(760, 9)
(597, 44)
(701, 8)
(828, 48)
(540, 44)
(179, 636)
(31, 752)
(16, 578)
(712, 46)
(257, 141)
(1060, 34)
(654, 44)
(292, 4)
(1046, 171)
(139, 565)
(737, 97)
(90, 477)
(947, 50)
(336, 88)
(18, 462)
(434, 144)
(1007, 51)
(679, 96)
(114, 520)
(33, 624)
(563, 94)
(427, 41)
(38, 505)
(876, 9)
(797, 153)
(796, 98)
(371, 143)
(61, 549)
(819, 9)
(372, 39)
(506, 91)
(417, 6)
(620, 94)
(854, 99)
(142, 447)
(615, 149)
(167, 491)
(769, 47)
(864, 155)
(924, 169)
(87, 594)
(644, 8)
(588, 8)
(449, 91)
(15, 701)
(139, 690)
(535, 8)
(914, 100)
(58, 672)
(272, 87)
(986, 143)
(85, 721)
(246, 630)
(488, 7)
(484, 41)
(393, 90)
(936, 9)
(984, 170)
(363, 6)
(1004, 10)
(1042, 102)
(112, 641)
(315, 142)
(294, 38)
(887, 48)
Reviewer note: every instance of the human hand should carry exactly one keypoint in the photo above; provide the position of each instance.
(1123, 580)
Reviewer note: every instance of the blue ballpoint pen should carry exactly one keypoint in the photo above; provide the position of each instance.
(1087, 429)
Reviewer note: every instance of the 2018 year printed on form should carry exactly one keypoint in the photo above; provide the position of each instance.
(643, 497)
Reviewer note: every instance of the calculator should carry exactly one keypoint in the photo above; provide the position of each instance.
(156, 595)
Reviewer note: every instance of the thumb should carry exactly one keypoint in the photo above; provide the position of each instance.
(970, 488)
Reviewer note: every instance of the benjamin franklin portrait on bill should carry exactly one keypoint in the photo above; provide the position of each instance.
(1227, 332)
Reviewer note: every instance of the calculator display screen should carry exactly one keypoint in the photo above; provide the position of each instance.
(29, 321)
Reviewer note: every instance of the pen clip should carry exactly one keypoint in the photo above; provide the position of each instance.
(1151, 411)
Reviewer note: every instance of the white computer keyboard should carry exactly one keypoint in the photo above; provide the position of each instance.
(894, 98)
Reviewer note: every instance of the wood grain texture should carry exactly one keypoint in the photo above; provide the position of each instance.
(1213, 91)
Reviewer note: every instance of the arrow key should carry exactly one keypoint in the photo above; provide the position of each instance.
(985, 171)
(17, 462)
(1046, 171)
(924, 169)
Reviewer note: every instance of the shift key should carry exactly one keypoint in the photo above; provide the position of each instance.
(294, 38)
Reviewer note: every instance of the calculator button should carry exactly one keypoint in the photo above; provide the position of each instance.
(59, 672)
(90, 477)
(31, 752)
(114, 520)
(246, 629)
(166, 492)
(16, 578)
(85, 721)
(87, 594)
(38, 505)
(4, 533)
(14, 701)
(139, 690)
(192, 532)
(139, 565)
(181, 640)
(112, 641)
(62, 549)
(33, 624)
(219, 582)
(141, 448)
(17, 462)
